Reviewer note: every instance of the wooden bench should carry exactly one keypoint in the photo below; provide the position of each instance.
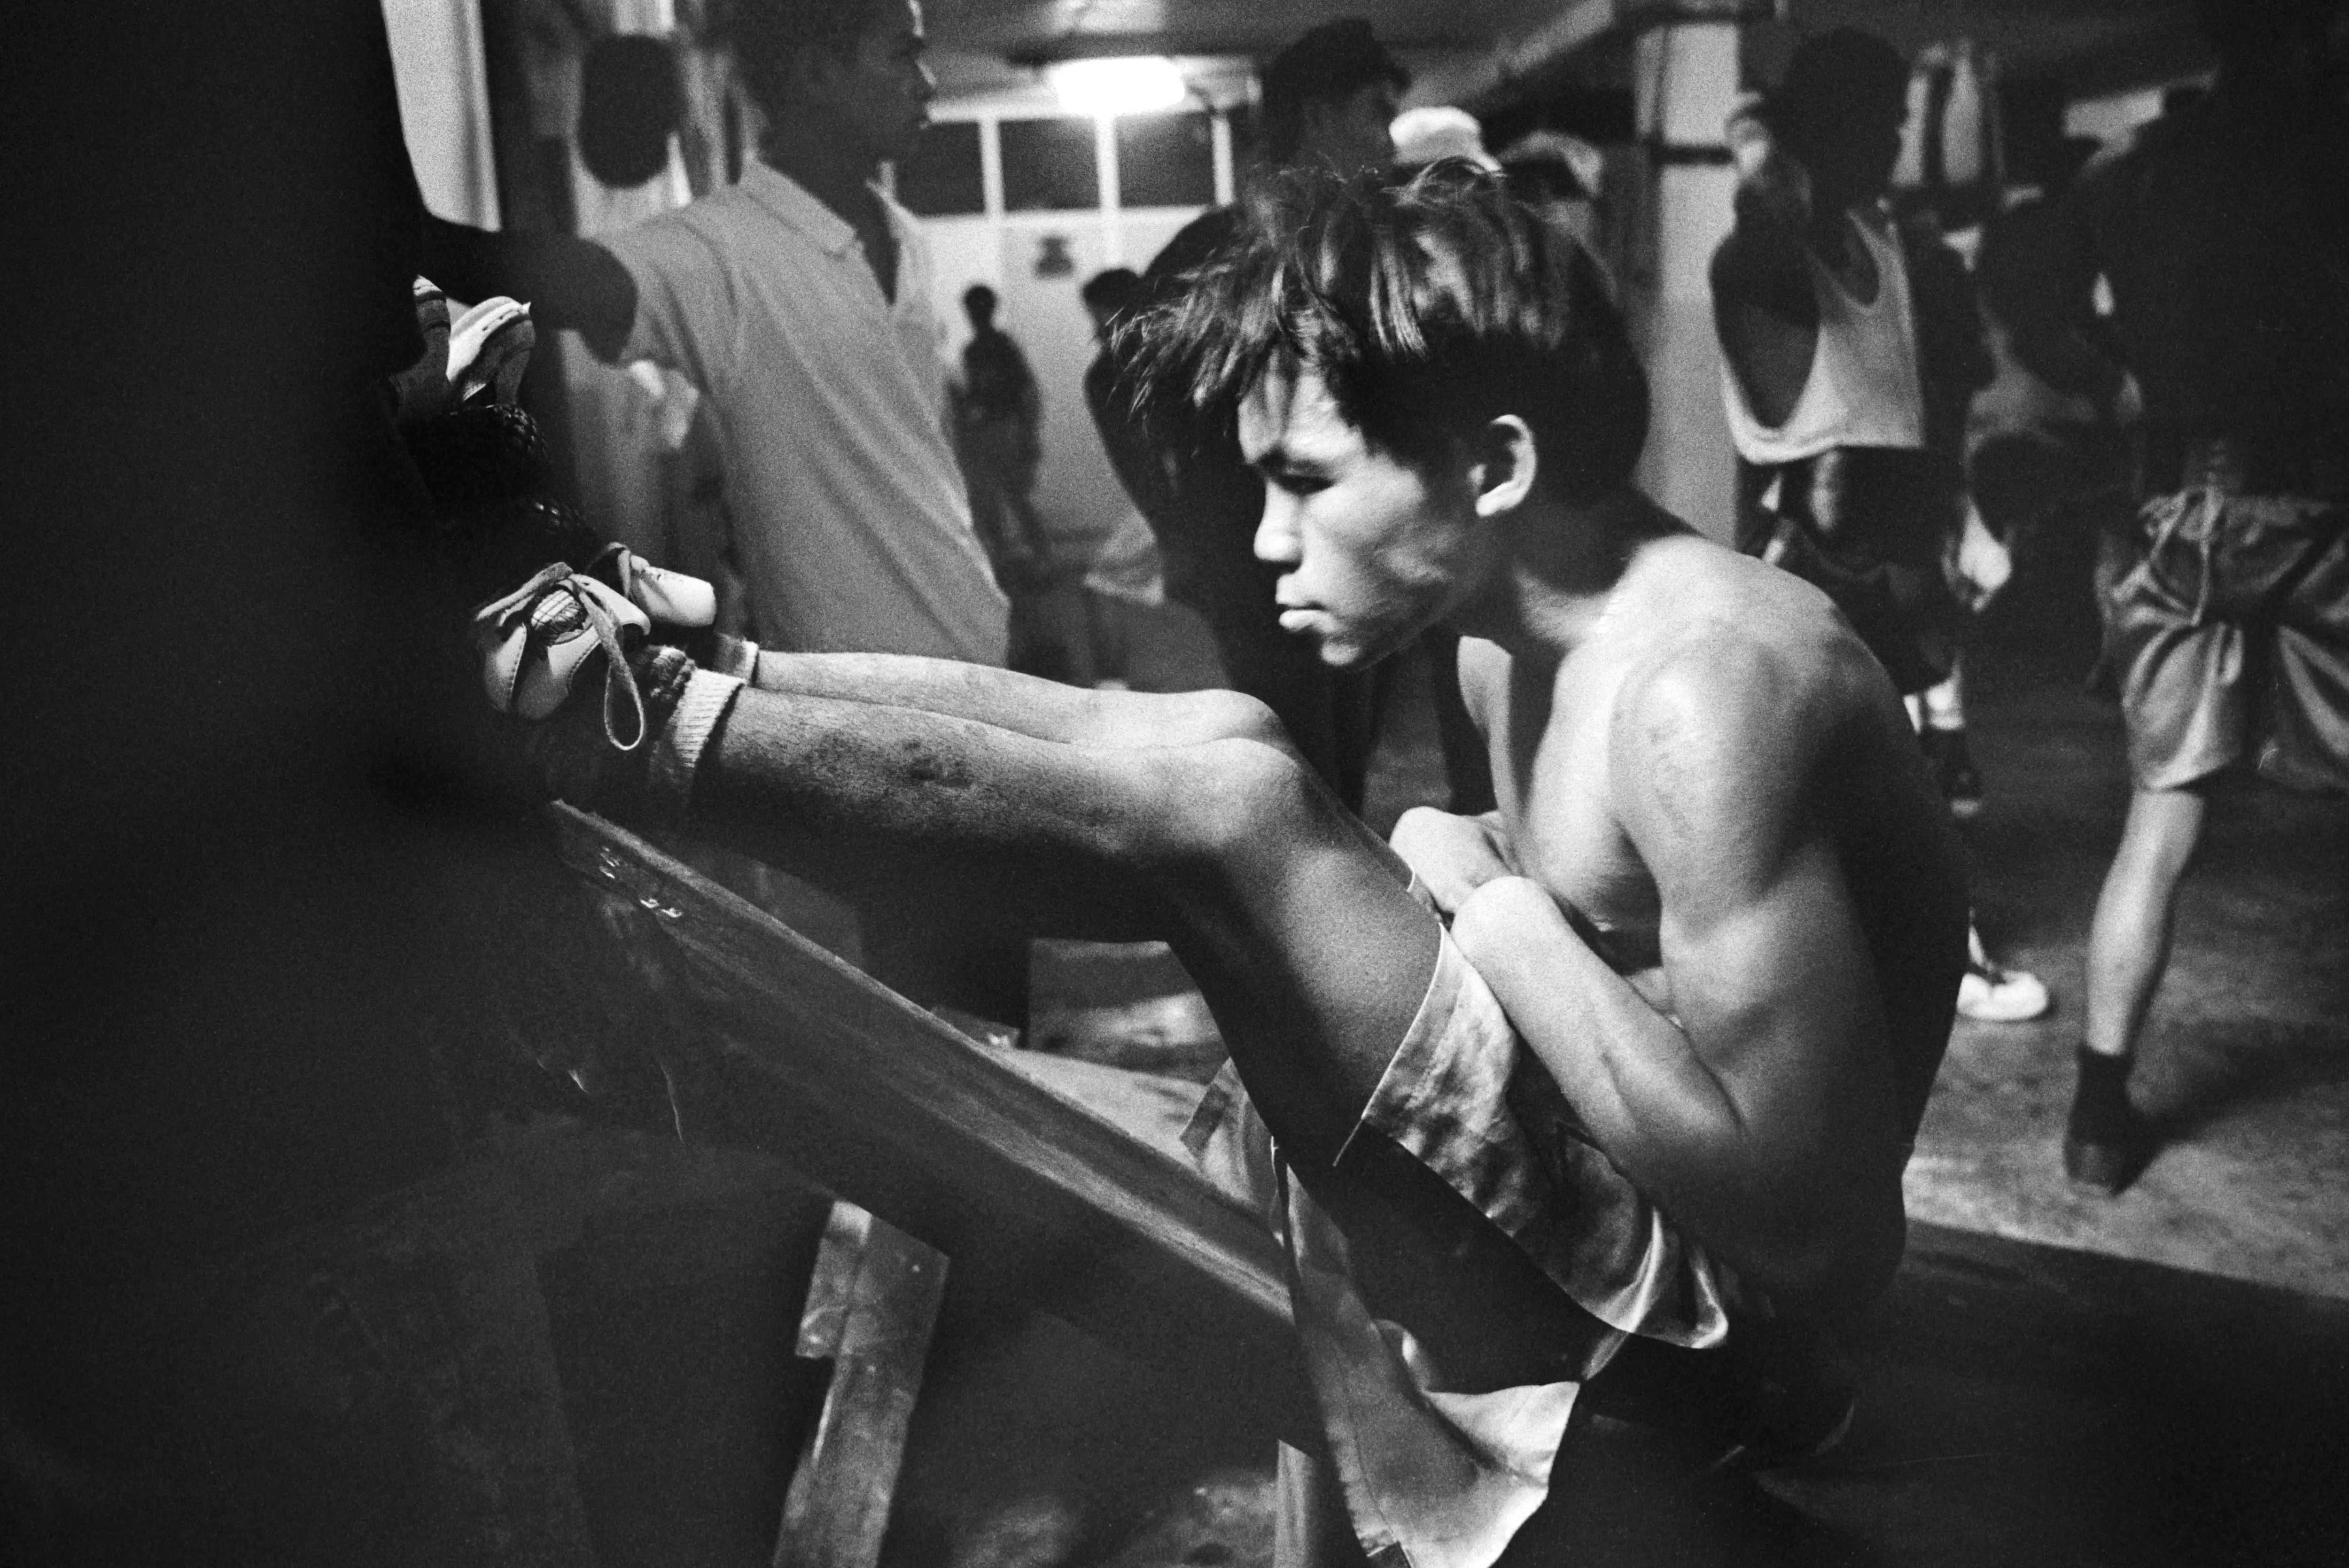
(767, 1041)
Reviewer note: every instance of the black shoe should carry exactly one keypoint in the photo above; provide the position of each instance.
(2107, 1144)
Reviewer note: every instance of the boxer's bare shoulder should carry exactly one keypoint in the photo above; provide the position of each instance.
(1713, 696)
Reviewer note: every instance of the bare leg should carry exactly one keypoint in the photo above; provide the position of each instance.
(1045, 710)
(1312, 954)
(936, 946)
(1041, 709)
(2128, 945)
(2106, 1143)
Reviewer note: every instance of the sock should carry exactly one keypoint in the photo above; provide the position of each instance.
(702, 698)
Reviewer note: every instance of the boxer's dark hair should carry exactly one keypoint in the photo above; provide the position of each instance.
(1427, 309)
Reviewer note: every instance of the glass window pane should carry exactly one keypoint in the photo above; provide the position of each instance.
(942, 179)
(1165, 161)
(1048, 166)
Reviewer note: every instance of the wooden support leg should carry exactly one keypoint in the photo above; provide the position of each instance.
(871, 1307)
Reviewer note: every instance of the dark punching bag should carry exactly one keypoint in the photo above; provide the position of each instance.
(627, 108)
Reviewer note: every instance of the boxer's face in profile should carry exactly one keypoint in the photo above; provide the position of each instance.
(1374, 550)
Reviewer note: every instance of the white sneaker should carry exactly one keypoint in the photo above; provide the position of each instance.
(1989, 995)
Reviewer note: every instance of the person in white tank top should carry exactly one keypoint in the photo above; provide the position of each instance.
(1825, 376)
(1848, 355)
(1862, 389)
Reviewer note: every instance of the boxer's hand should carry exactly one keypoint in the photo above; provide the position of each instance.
(1747, 133)
(1769, 178)
(1453, 856)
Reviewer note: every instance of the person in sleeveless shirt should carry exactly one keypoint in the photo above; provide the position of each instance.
(1851, 346)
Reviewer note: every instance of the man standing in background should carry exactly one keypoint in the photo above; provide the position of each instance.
(996, 415)
(1329, 98)
(2223, 233)
(1851, 347)
(799, 302)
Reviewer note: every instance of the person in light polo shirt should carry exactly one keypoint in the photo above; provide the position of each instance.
(798, 301)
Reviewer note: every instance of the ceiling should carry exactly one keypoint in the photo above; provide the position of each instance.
(1470, 51)
(1214, 27)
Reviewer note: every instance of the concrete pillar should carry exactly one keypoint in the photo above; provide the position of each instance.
(1686, 77)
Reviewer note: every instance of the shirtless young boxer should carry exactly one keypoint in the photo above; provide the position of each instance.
(1659, 1077)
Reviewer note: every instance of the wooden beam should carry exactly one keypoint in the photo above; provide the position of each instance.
(781, 1045)
(873, 1302)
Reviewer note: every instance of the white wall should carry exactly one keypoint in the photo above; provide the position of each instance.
(1688, 77)
(444, 106)
(1077, 494)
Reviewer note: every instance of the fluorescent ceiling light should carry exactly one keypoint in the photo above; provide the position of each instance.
(1136, 85)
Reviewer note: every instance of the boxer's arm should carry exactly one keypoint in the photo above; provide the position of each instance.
(1760, 1115)
(1453, 856)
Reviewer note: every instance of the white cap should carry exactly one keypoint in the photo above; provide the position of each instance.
(1439, 130)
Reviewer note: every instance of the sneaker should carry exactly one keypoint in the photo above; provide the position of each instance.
(489, 350)
(1953, 769)
(1990, 995)
(535, 641)
(542, 642)
(673, 601)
